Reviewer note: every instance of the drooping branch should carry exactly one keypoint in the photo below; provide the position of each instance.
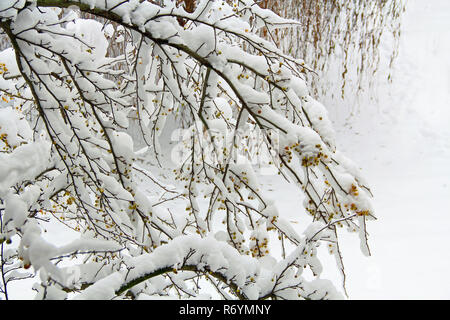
(228, 99)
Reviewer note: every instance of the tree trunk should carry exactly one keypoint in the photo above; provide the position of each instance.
(189, 6)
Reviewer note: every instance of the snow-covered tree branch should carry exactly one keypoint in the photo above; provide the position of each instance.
(155, 220)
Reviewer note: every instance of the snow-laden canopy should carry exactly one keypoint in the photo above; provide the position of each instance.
(76, 114)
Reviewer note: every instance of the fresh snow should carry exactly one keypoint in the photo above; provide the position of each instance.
(401, 142)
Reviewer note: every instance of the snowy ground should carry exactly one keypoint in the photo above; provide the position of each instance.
(403, 145)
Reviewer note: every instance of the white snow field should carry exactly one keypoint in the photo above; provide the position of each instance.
(402, 144)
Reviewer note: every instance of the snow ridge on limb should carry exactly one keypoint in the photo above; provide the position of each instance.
(246, 276)
(231, 103)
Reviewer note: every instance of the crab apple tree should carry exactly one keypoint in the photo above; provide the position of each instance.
(85, 152)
